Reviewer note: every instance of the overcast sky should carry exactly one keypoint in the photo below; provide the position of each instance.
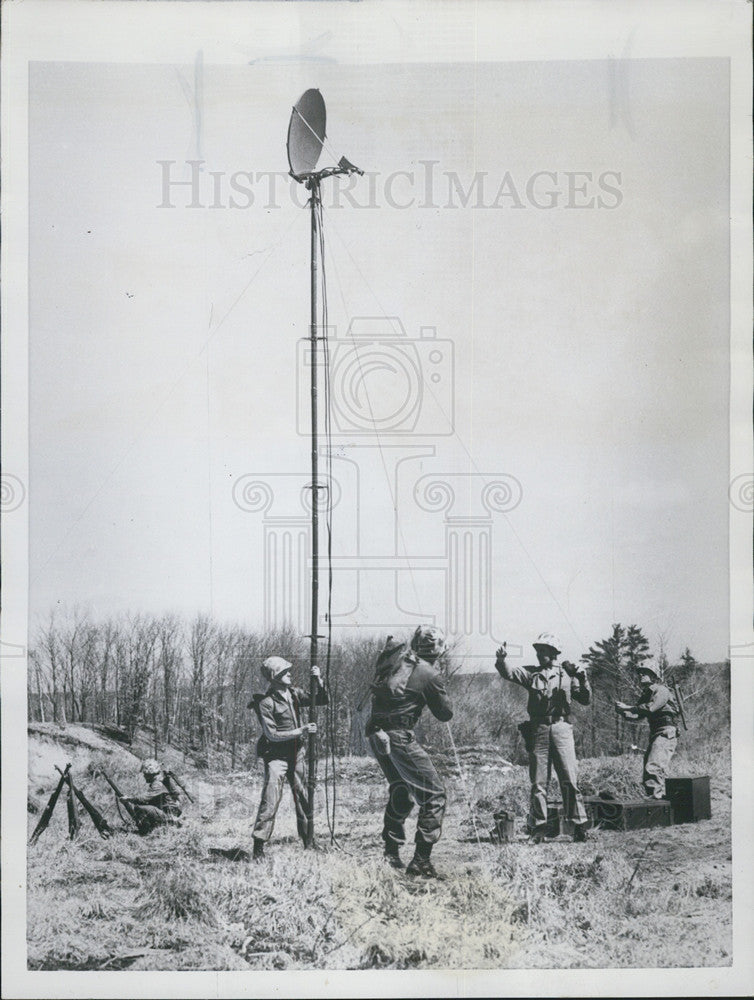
(583, 283)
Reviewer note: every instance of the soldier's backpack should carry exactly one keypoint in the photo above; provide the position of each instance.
(393, 670)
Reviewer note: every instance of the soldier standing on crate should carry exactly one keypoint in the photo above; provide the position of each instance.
(406, 679)
(282, 746)
(162, 805)
(548, 735)
(659, 707)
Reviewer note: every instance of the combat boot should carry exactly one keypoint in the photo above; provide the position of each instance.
(420, 863)
(538, 834)
(392, 855)
(258, 854)
(422, 867)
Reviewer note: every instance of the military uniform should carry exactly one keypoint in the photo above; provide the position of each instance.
(397, 705)
(549, 735)
(659, 707)
(279, 711)
(161, 807)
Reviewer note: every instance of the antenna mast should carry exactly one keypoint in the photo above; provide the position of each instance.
(306, 136)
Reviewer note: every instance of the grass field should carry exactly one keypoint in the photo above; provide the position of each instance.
(171, 900)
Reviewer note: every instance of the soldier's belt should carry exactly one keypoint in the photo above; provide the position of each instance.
(390, 722)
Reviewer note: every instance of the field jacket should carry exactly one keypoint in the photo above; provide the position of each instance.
(159, 797)
(551, 690)
(279, 715)
(658, 706)
(401, 708)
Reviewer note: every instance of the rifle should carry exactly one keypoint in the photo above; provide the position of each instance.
(141, 823)
(103, 827)
(169, 778)
(44, 819)
(74, 823)
(679, 700)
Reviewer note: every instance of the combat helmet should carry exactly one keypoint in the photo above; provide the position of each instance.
(274, 666)
(647, 668)
(429, 642)
(548, 640)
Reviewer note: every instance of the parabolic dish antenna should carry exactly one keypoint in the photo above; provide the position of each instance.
(306, 133)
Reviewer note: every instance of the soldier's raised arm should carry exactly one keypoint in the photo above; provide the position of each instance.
(509, 672)
(437, 698)
(581, 689)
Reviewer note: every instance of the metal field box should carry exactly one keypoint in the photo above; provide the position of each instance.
(689, 797)
(614, 814)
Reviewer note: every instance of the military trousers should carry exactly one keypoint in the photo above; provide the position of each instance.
(150, 817)
(551, 746)
(657, 759)
(279, 771)
(412, 778)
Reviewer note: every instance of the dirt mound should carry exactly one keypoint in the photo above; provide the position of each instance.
(49, 745)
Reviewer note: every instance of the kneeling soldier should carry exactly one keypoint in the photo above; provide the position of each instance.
(406, 680)
(162, 806)
(549, 735)
(658, 706)
(282, 747)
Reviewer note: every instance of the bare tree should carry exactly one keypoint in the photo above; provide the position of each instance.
(202, 636)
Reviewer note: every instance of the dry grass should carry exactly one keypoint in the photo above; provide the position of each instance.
(657, 898)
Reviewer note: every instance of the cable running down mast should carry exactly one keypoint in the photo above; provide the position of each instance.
(306, 136)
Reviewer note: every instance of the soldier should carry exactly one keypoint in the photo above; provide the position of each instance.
(548, 735)
(406, 680)
(162, 807)
(658, 706)
(282, 747)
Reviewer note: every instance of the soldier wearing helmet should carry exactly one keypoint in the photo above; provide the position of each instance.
(658, 706)
(548, 735)
(282, 747)
(406, 680)
(162, 805)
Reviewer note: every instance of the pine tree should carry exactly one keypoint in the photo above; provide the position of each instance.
(636, 648)
(613, 663)
(605, 658)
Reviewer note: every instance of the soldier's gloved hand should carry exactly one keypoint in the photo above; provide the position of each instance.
(310, 727)
(502, 652)
(570, 668)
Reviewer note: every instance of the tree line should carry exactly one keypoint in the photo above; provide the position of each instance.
(188, 684)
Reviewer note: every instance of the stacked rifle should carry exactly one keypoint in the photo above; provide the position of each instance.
(134, 812)
(74, 823)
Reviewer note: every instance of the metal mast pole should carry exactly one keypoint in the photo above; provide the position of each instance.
(313, 654)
